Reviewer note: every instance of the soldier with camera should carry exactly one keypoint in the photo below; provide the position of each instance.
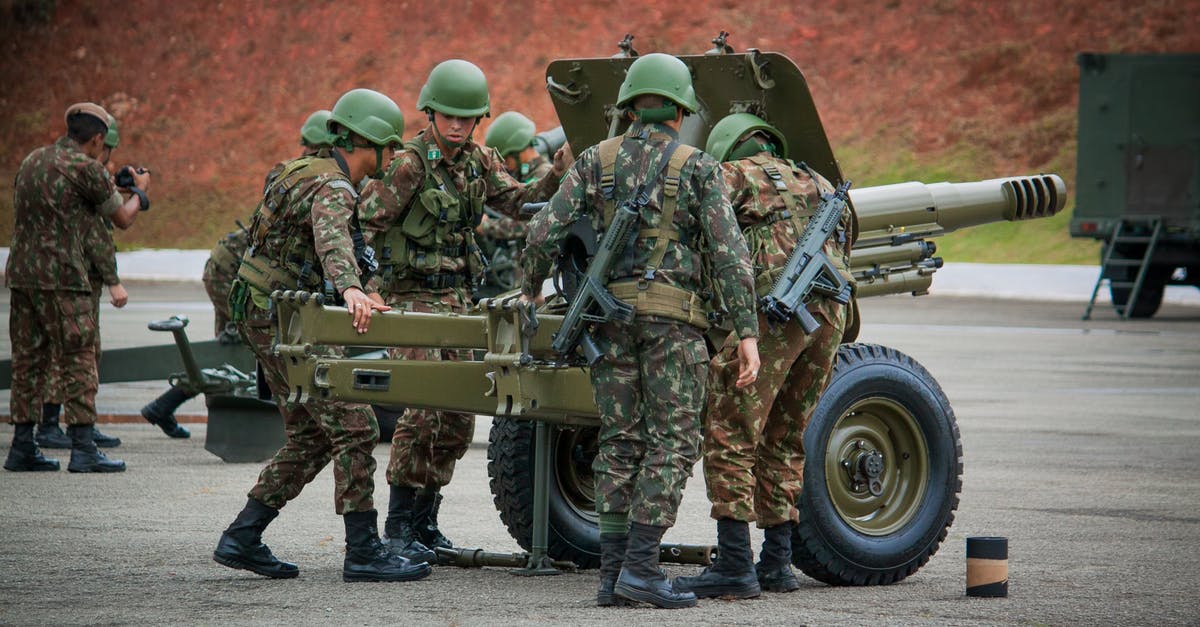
(61, 194)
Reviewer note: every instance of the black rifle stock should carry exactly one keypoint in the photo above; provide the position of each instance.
(808, 269)
(593, 302)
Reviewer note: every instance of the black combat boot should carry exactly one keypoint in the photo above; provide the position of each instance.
(85, 457)
(369, 559)
(103, 440)
(241, 545)
(49, 434)
(425, 521)
(640, 578)
(731, 575)
(24, 455)
(612, 554)
(399, 531)
(775, 567)
(161, 411)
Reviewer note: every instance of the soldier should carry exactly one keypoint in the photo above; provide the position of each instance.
(511, 134)
(422, 218)
(102, 270)
(753, 440)
(219, 273)
(302, 238)
(59, 193)
(649, 385)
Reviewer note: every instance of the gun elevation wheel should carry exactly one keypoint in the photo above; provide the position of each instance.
(882, 473)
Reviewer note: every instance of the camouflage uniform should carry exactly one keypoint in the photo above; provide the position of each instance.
(102, 271)
(60, 192)
(436, 276)
(504, 237)
(753, 443)
(650, 385)
(219, 272)
(307, 241)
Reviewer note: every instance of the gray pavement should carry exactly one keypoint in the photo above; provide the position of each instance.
(1079, 441)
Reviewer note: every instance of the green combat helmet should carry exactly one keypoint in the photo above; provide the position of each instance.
(510, 133)
(369, 114)
(111, 139)
(725, 141)
(455, 87)
(315, 132)
(662, 75)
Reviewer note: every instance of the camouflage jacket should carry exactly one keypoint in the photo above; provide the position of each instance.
(770, 227)
(102, 252)
(476, 172)
(703, 218)
(311, 232)
(59, 195)
(506, 228)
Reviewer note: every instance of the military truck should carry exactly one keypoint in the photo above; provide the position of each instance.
(883, 453)
(1138, 179)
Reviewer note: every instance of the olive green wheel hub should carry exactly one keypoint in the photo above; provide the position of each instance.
(876, 466)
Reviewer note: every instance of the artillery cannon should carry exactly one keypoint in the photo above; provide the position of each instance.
(884, 457)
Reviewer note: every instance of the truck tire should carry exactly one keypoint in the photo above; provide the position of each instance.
(882, 474)
(1149, 298)
(574, 526)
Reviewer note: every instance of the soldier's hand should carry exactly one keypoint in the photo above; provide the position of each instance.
(117, 295)
(748, 363)
(563, 159)
(361, 307)
(141, 178)
(537, 301)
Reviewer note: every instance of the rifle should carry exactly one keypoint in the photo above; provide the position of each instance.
(808, 269)
(593, 302)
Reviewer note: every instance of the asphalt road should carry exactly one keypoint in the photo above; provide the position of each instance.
(1080, 444)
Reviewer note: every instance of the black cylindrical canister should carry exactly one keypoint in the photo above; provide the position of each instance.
(987, 567)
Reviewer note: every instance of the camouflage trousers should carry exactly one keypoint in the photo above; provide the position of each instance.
(55, 383)
(754, 438)
(217, 282)
(427, 444)
(649, 388)
(317, 431)
(53, 330)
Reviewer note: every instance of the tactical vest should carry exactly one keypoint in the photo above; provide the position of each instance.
(650, 297)
(295, 266)
(795, 210)
(227, 254)
(412, 251)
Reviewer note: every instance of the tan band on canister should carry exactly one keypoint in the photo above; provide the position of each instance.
(89, 108)
(981, 572)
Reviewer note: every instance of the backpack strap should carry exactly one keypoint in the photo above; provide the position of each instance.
(666, 232)
(608, 170)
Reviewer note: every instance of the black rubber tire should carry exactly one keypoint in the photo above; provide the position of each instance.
(1148, 301)
(574, 527)
(825, 545)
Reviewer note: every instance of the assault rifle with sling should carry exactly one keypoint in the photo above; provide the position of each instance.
(808, 269)
(592, 301)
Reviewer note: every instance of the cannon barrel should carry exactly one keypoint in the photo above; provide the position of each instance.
(894, 214)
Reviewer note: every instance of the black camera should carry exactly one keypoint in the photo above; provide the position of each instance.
(124, 177)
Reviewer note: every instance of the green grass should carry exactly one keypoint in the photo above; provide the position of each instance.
(1037, 241)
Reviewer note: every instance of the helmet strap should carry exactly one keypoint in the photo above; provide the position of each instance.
(665, 113)
(752, 146)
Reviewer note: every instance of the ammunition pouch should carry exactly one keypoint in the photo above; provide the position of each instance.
(239, 295)
(268, 277)
(660, 299)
